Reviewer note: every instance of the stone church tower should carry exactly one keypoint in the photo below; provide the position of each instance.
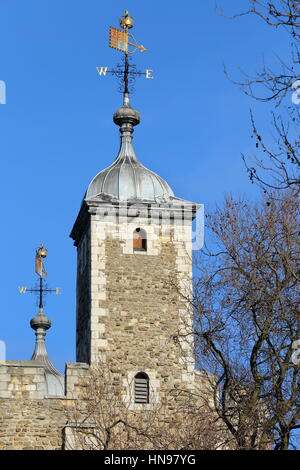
(134, 276)
(134, 247)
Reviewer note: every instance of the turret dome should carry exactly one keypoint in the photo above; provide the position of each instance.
(127, 178)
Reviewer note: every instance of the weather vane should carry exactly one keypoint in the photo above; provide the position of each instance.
(125, 42)
(41, 254)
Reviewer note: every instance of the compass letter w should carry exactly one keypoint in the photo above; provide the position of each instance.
(102, 70)
(22, 290)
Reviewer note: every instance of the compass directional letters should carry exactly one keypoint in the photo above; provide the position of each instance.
(104, 70)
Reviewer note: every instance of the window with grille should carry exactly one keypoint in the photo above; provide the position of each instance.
(141, 388)
(139, 240)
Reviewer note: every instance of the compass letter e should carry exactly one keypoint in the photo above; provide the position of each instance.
(148, 73)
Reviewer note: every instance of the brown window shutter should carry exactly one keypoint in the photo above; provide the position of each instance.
(137, 241)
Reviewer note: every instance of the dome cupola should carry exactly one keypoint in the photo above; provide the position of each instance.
(127, 179)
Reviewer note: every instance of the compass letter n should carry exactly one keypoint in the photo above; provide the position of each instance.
(102, 70)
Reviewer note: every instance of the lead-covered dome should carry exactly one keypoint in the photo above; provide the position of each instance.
(127, 178)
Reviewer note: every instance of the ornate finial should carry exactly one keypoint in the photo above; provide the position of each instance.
(41, 253)
(126, 22)
(41, 323)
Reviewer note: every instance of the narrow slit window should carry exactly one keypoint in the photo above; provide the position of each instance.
(141, 388)
(139, 240)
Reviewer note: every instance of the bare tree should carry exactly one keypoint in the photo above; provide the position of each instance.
(100, 418)
(247, 317)
(279, 14)
(278, 164)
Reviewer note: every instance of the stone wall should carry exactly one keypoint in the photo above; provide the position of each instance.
(135, 303)
(31, 424)
(83, 298)
(22, 379)
(29, 419)
(130, 310)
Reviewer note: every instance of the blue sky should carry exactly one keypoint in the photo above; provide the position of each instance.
(57, 130)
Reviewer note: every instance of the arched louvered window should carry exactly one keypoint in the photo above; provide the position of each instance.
(139, 240)
(141, 388)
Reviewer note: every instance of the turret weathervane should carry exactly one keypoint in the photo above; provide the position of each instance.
(125, 42)
(41, 253)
